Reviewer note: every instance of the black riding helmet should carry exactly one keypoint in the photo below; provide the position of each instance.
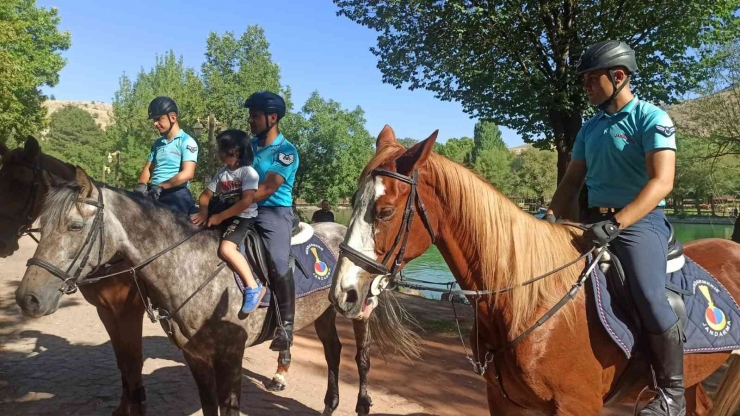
(161, 106)
(269, 103)
(608, 54)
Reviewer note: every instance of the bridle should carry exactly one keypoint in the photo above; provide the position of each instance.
(373, 266)
(70, 281)
(25, 217)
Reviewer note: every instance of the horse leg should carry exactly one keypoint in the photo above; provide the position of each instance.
(228, 367)
(698, 402)
(206, 381)
(500, 405)
(326, 329)
(279, 382)
(123, 322)
(362, 339)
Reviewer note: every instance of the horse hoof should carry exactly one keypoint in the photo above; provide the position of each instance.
(276, 385)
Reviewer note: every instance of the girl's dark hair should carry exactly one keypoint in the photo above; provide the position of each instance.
(229, 141)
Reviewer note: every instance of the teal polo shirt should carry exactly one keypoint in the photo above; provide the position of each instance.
(280, 157)
(615, 147)
(168, 156)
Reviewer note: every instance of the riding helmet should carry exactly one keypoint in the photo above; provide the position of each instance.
(607, 54)
(161, 106)
(268, 102)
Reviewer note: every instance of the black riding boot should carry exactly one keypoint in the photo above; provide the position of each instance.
(284, 288)
(667, 360)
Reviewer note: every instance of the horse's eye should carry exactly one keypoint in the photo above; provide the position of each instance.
(75, 226)
(386, 213)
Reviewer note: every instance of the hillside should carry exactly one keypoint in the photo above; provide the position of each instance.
(101, 112)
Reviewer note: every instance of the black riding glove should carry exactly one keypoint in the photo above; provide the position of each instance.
(601, 233)
(155, 192)
(141, 188)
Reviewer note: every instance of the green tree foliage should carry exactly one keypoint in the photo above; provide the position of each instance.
(333, 145)
(716, 113)
(30, 57)
(486, 136)
(494, 165)
(132, 133)
(455, 149)
(514, 62)
(234, 69)
(534, 175)
(75, 138)
(408, 142)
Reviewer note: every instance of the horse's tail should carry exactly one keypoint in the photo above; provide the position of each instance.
(727, 399)
(389, 327)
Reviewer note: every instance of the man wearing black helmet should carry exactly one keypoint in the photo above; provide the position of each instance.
(627, 155)
(276, 162)
(171, 163)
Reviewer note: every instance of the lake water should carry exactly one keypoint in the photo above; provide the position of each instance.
(431, 266)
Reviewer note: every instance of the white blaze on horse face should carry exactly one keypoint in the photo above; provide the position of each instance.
(360, 233)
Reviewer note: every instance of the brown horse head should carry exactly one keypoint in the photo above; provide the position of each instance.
(379, 207)
(26, 175)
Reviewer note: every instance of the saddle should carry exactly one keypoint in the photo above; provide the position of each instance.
(616, 280)
(704, 307)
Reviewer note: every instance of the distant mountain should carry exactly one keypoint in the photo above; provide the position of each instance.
(101, 112)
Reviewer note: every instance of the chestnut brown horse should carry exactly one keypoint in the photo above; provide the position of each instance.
(26, 176)
(566, 366)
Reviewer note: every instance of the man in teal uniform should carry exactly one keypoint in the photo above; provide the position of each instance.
(627, 155)
(171, 163)
(276, 162)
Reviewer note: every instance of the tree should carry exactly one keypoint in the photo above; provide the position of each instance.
(132, 132)
(455, 149)
(408, 142)
(486, 136)
(514, 62)
(30, 57)
(236, 68)
(495, 166)
(75, 138)
(333, 145)
(534, 176)
(716, 113)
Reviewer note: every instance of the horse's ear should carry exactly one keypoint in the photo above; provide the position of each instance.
(3, 150)
(418, 154)
(84, 182)
(387, 136)
(32, 148)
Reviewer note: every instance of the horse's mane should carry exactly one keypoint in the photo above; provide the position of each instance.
(514, 246)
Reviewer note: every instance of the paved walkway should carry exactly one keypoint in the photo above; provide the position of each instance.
(63, 364)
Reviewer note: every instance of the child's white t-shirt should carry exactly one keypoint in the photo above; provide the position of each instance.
(228, 185)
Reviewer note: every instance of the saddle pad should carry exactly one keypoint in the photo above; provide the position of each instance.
(312, 262)
(713, 315)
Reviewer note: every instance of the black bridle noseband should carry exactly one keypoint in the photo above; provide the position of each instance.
(373, 266)
(70, 281)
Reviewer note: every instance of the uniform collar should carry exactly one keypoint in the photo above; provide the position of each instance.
(625, 110)
(279, 139)
(177, 136)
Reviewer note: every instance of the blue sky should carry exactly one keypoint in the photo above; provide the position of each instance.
(316, 50)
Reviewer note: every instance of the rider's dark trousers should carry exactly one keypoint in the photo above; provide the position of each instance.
(643, 250)
(275, 224)
(178, 199)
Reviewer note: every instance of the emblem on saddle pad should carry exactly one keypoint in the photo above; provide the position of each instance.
(320, 269)
(715, 321)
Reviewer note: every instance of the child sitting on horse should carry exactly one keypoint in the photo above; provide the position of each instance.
(228, 202)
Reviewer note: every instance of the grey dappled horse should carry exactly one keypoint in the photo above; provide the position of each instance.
(207, 327)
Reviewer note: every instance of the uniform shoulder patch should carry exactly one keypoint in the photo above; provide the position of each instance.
(286, 159)
(192, 148)
(666, 131)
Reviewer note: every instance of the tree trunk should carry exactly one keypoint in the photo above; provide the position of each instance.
(711, 204)
(736, 231)
(565, 126)
(697, 204)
